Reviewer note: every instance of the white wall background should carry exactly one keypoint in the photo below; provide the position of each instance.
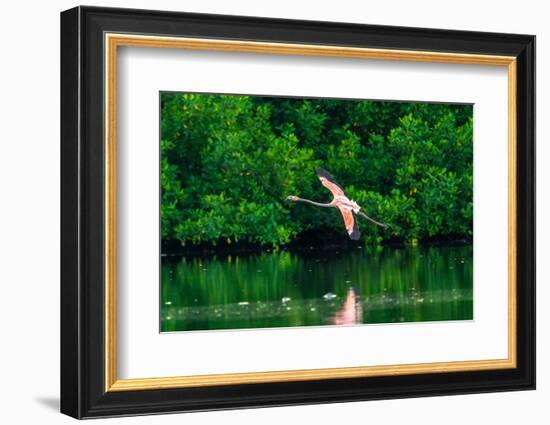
(29, 214)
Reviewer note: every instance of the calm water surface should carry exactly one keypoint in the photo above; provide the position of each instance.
(280, 289)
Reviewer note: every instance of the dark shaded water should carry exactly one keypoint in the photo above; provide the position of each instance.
(316, 288)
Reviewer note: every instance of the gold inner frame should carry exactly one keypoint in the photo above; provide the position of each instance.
(113, 41)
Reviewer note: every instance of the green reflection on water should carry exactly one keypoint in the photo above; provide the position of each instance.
(316, 288)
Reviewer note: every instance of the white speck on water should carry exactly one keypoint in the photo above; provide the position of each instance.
(259, 271)
(312, 309)
(284, 300)
(243, 303)
(329, 296)
(168, 317)
(288, 308)
(348, 281)
(168, 303)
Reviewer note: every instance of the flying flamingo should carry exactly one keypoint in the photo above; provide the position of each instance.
(346, 206)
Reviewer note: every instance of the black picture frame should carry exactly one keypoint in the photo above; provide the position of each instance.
(83, 392)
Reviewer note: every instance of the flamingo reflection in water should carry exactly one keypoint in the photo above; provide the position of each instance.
(351, 312)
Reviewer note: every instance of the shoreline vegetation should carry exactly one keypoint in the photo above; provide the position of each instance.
(228, 163)
(174, 248)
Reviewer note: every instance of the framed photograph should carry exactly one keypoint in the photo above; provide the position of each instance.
(261, 212)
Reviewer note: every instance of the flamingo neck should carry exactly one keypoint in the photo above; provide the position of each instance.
(318, 204)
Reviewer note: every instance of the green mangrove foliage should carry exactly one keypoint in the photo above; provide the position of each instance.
(229, 162)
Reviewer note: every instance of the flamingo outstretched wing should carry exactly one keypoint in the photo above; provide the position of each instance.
(328, 181)
(350, 223)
